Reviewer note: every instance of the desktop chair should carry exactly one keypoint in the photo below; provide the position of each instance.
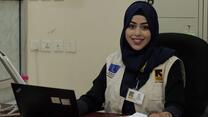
(193, 51)
(205, 114)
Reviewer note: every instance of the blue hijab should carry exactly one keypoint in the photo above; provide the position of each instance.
(134, 60)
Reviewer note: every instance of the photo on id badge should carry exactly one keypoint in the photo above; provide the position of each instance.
(131, 95)
(135, 96)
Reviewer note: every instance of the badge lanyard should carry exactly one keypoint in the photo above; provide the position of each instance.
(133, 95)
(141, 71)
(137, 84)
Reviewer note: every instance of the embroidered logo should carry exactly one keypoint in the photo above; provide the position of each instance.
(158, 75)
(112, 70)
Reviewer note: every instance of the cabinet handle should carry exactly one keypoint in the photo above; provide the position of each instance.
(151, 2)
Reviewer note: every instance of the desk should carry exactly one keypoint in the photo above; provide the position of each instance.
(101, 114)
(5, 108)
(92, 114)
(11, 115)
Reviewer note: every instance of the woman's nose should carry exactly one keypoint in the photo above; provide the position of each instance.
(137, 31)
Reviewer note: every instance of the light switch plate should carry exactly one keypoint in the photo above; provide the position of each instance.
(35, 45)
(58, 45)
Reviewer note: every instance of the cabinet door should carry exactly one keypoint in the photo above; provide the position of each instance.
(205, 21)
(177, 8)
(181, 25)
(178, 16)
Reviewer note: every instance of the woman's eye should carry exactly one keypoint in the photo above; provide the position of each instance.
(132, 26)
(144, 27)
(141, 27)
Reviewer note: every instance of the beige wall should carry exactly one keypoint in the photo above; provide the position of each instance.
(95, 25)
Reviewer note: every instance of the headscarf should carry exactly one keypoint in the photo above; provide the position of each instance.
(134, 60)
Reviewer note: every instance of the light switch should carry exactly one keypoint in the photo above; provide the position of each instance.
(35, 45)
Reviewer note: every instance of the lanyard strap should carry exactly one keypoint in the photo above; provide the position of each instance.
(141, 71)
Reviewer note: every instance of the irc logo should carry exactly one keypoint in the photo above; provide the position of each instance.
(158, 75)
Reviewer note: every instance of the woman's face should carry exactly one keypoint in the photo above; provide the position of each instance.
(137, 33)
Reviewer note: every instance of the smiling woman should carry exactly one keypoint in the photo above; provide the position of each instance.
(139, 77)
(138, 34)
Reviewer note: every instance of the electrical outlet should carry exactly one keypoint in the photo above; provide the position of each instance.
(58, 45)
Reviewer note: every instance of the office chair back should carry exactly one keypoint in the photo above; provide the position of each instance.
(193, 51)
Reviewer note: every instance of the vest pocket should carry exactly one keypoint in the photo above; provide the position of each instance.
(154, 106)
(156, 92)
(155, 98)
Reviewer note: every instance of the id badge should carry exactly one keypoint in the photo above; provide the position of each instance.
(135, 96)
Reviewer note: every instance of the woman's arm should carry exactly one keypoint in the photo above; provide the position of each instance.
(94, 98)
(174, 92)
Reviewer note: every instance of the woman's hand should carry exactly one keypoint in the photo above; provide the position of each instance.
(161, 114)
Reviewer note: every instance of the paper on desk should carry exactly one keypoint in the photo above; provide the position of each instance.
(137, 115)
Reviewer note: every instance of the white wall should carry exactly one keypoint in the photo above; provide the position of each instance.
(95, 25)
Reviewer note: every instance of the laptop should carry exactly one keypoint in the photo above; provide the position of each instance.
(38, 101)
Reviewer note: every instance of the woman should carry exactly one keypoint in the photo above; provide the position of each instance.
(140, 77)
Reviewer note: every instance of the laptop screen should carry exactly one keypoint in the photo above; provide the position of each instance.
(38, 101)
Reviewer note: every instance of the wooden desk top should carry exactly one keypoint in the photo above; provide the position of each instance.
(93, 114)
(4, 111)
(101, 114)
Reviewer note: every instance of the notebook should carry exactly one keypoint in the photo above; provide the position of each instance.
(38, 101)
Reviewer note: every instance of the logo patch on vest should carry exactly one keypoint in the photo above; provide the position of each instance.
(112, 70)
(158, 75)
